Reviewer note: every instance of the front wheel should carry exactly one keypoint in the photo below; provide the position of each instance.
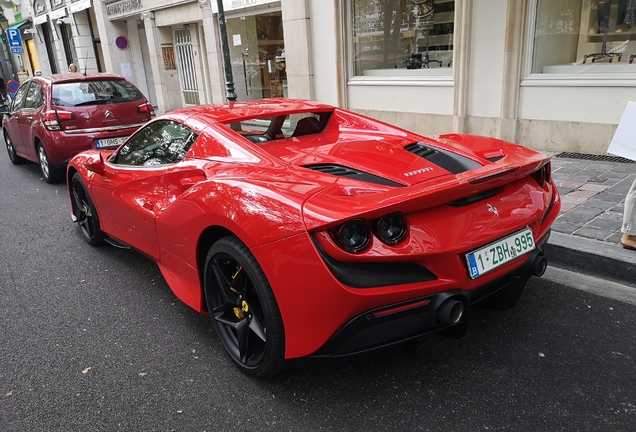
(13, 156)
(243, 309)
(49, 171)
(85, 212)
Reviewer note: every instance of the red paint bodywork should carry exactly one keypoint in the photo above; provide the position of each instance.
(263, 195)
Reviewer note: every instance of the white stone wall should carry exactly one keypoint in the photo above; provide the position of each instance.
(487, 58)
(491, 90)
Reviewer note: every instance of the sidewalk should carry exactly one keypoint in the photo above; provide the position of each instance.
(585, 237)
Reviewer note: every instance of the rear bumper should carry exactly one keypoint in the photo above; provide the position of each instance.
(402, 322)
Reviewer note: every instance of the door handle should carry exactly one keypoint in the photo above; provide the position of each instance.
(149, 205)
(30, 118)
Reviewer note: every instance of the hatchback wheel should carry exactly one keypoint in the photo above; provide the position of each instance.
(85, 212)
(49, 171)
(243, 309)
(15, 159)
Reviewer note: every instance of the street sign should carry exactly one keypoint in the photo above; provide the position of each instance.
(13, 86)
(15, 40)
(121, 42)
(18, 50)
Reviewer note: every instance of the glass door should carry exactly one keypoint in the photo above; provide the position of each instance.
(257, 52)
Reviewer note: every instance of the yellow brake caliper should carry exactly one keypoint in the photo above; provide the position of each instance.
(238, 311)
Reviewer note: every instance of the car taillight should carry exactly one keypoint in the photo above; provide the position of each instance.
(146, 108)
(353, 236)
(391, 229)
(543, 175)
(52, 119)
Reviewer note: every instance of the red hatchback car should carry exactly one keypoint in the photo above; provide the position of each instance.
(52, 118)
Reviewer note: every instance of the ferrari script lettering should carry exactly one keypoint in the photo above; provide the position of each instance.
(416, 172)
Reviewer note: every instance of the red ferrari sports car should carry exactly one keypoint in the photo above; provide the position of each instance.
(306, 231)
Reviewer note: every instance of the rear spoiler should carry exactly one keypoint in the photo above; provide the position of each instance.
(331, 206)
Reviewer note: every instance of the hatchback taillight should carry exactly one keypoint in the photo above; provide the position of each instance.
(53, 118)
(146, 108)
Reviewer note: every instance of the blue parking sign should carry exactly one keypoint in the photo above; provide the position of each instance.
(14, 38)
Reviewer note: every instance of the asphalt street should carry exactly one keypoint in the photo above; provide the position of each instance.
(92, 339)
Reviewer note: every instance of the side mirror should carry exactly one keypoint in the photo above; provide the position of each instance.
(96, 164)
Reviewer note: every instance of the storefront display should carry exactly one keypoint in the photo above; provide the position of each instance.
(404, 37)
(257, 51)
(572, 34)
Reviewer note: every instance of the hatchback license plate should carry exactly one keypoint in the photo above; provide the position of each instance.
(109, 142)
(496, 254)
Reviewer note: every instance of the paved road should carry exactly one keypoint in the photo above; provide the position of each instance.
(93, 340)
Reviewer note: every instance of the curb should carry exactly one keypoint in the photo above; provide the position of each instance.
(592, 257)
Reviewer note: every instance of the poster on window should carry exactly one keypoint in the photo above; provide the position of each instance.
(624, 142)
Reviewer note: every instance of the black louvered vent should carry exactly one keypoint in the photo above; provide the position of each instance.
(449, 161)
(473, 198)
(343, 171)
(374, 274)
(495, 158)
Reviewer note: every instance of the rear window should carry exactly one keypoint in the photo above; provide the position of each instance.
(94, 93)
(285, 126)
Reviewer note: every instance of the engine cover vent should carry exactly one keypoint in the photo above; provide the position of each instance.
(343, 171)
(449, 161)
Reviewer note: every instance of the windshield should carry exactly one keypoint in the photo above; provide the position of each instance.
(94, 93)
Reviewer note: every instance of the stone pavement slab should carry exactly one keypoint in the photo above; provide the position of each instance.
(586, 234)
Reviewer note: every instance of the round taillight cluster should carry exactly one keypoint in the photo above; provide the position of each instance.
(391, 229)
(355, 236)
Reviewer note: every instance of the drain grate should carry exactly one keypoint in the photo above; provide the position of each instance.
(595, 157)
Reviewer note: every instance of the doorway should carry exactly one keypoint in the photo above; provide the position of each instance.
(187, 71)
(257, 51)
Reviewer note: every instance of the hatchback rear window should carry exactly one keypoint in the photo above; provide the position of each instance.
(94, 93)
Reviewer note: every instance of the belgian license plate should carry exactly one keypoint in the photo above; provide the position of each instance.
(496, 254)
(109, 142)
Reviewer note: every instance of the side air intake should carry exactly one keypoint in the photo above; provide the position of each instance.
(343, 171)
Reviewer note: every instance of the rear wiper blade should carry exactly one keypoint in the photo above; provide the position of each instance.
(94, 102)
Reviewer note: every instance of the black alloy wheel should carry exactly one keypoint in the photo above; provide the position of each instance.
(13, 157)
(243, 309)
(85, 212)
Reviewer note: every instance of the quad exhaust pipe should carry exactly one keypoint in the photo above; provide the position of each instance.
(539, 263)
(451, 311)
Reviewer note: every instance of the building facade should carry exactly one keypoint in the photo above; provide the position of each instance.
(551, 75)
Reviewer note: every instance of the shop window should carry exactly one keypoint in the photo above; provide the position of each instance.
(584, 37)
(257, 51)
(402, 37)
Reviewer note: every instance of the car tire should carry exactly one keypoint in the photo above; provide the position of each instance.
(85, 212)
(49, 171)
(243, 309)
(13, 157)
